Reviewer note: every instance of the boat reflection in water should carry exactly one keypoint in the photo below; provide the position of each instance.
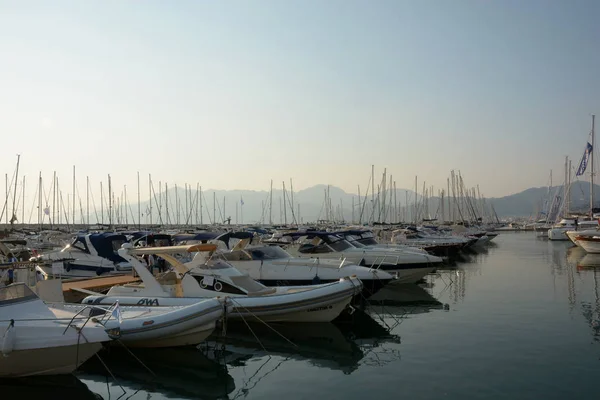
(183, 372)
(39, 387)
(410, 298)
(325, 345)
(589, 260)
(575, 255)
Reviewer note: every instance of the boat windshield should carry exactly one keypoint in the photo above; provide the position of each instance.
(337, 243)
(353, 240)
(16, 293)
(79, 244)
(268, 253)
(247, 283)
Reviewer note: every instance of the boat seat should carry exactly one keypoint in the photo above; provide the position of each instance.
(263, 292)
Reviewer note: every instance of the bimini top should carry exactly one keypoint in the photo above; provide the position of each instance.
(235, 235)
(107, 244)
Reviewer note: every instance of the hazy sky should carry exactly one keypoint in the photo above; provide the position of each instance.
(233, 93)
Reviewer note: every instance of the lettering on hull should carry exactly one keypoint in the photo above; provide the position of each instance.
(148, 302)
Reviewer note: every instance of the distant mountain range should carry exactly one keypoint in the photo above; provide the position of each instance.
(320, 202)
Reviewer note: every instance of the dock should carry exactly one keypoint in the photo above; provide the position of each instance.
(99, 284)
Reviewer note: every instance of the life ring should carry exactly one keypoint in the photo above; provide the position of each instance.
(204, 285)
(218, 286)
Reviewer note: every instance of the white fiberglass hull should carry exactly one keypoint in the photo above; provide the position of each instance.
(319, 303)
(558, 233)
(572, 235)
(47, 361)
(410, 275)
(163, 327)
(406, 266)
(590, 246)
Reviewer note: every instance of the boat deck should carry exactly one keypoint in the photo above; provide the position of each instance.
(98, 284)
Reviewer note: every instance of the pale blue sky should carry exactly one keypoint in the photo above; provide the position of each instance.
(233, 93)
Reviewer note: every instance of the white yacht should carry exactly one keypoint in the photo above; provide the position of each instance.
(201, 278)
(273, 266)
(407, 267)
(36, 341)
(87, 256)
(559, 230)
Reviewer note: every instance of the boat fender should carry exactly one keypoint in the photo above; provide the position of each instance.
(218, 286)
(316, 280)
(99, 271)
(8, 341)
(67, 266)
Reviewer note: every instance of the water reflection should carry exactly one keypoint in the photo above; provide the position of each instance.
(337, 346)
(184, 372)
(589, 261)
(40, 386)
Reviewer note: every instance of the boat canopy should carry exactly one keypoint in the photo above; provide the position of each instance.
(107, 244)
(226, 237)
(204, 236)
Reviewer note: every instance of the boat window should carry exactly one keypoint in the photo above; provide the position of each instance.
(268, 253)
(247, 283)
(368, 241)
(238, 255)
(15, 294)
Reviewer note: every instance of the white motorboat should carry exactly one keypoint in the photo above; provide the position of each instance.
(407, 267)
(87, 256)
(202, 278)
(142, 325)
(559, 230)
(590, 244)
(35, 341)
(273, 266)
(584, 228)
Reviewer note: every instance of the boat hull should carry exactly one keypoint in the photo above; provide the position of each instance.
(589, 245)
(558, 234)
(47, 361)
(322, 303)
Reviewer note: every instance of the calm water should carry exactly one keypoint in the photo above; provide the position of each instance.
(517, 320)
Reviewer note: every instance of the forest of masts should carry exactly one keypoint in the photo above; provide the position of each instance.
(379, 204)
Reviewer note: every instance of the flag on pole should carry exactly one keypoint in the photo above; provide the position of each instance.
(584, 159)
(116, 313)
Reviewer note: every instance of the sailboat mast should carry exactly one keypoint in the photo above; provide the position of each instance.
(73, 210)
(592, 171)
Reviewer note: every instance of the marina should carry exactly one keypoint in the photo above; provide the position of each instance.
(521, 304)
(299, 200)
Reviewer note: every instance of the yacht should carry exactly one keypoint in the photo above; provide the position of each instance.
(584, 228)
(407, 267)
(209, 277)
(88, 255)
(36, 341)
(273, 266)
(559, 230)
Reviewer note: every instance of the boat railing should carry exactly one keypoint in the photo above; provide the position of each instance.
(70, 324)
(383, 261)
